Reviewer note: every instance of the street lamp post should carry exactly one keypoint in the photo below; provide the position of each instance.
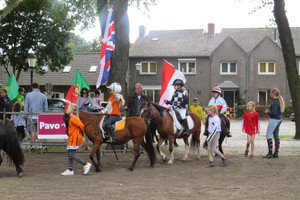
(138, 68)
(31, 59)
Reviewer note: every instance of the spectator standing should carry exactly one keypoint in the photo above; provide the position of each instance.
(96, 101)
(35, 101)
(135, 101)
(275, 113)
(19, 120)
(196, 108)
(84, 102)
(21, 97)
(250, 126)
(4, 105)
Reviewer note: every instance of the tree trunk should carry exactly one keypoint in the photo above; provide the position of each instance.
(289, 56)
(9, 8)
(119, 63)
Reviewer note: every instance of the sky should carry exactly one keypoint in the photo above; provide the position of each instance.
(196, 14)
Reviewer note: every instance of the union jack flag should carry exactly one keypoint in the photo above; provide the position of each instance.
(107, 48)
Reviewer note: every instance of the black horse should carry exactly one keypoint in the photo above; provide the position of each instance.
(9, 143)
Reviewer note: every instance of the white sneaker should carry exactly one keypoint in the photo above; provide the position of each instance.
(68, 173)
(86, 168)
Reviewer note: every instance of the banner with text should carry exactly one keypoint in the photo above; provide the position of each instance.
(51, 126)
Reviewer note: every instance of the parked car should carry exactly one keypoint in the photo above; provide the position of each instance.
(292, 117)
(56, 104)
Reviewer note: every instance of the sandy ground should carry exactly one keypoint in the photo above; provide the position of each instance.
(243, 178)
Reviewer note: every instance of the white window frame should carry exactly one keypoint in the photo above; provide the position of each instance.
(153, 88)
(67, 69)
(267, 69)
(93, 68)
(228, 69)
(267, 96)
(148, 72)
(187, 61)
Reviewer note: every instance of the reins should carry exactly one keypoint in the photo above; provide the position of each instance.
(90, 122)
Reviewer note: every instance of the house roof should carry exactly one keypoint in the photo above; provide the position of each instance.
(182, 43)
(82, 61)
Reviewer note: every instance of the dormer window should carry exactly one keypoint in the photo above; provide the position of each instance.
(67, 69)
(93, 68)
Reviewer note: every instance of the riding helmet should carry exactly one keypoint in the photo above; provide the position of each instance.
(217, 89)
(178, 82)
(115, 87)
(21, 89)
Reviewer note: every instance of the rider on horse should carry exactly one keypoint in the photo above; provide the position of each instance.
(221, 105)
(113, 110)
(179, 103)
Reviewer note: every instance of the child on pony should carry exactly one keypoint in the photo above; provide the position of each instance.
(75, 133)
(113, 110)
(179, 103)
(221, 105)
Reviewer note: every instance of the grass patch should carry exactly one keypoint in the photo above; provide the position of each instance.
(285, 136)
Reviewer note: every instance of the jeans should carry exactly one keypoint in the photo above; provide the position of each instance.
(273, 128)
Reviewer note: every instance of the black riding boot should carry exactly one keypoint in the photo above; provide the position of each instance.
(186, 127)
(270, 147)
(110, 132)
(277, 145)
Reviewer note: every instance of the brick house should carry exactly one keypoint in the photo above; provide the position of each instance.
(244, 62)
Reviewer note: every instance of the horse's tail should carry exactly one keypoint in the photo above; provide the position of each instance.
(13, 148)
(149, 145)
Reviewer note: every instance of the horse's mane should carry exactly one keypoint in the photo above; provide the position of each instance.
(159, 108)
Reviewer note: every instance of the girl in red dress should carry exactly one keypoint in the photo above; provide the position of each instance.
(250, 126)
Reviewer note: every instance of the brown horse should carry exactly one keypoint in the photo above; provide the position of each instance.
(135, 129)
(167, 130)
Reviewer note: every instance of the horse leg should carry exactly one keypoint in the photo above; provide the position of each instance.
(186, 148)
(221, 139)
(171, 144)
(93, 152)
(137, 154)
(158, 147)
(98, 159)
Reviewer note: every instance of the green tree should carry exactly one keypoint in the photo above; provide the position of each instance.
(289, 56)
(39, 26)
(78, 44)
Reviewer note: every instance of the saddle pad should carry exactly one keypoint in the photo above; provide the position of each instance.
(120, 125)
(177, 123)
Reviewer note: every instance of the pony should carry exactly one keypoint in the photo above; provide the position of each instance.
(167, 130)
(135, 129)
(9, 143)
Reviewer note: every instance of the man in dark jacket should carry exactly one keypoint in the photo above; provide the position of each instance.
(134, 102)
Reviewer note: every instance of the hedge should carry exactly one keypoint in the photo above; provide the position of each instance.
(261, 110)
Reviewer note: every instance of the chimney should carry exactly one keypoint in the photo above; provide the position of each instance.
(142, 31)
(211, 28)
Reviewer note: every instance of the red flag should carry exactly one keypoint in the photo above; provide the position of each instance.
(169, 74)
(74, 91)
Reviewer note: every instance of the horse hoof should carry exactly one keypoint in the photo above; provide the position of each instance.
(152, 166)
(170, 162)
(20, 175)
(130, 168)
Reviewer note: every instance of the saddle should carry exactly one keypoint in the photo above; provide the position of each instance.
(178, 120)
(117, 126)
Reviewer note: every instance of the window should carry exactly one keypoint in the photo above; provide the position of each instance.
(93, 68)
(228, 68)
(263, 97)
(148, 68)
(187, 66)
(67, 69)
(266, 68)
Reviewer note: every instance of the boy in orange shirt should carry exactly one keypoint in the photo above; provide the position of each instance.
(75, 133)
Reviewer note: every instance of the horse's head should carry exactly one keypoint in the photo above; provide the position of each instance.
(146, 112)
